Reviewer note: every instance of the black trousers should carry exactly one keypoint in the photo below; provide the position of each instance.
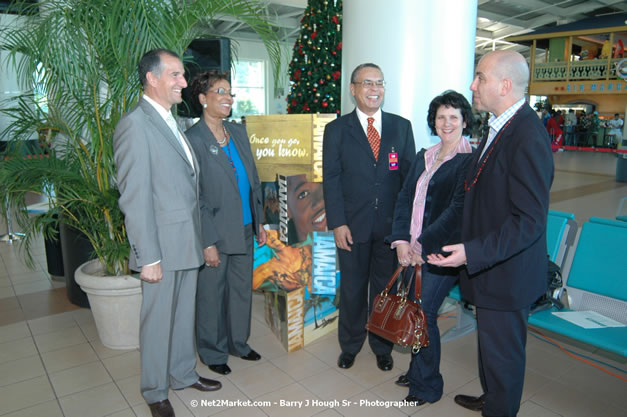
(364, 272)
(502, 339)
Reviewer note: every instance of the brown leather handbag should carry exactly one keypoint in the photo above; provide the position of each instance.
(398, 319)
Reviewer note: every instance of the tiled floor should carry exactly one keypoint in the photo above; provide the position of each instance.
(53, 364)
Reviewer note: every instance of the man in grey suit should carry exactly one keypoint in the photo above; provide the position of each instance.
(158, 182)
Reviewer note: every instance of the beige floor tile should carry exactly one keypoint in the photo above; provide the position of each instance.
(25, 394)
(327, 349)
(21, 370)
(567, 400)
(291, 401)
(455, 376)
(45, 303)
(241, 412)
(47, 409)
(9, 303)
(328, 413)
(6, 292)
(11, 316)
(599, 384)
(90, 331)
(59, 339)
(95, 402)
(79, 378)
(268, 346)
(52, 323)
(29, 277)
(123, 366)
(331, 385)
(70, 357)
(531, 409)
(210, 403)
(367, 404)
(17, 349)
(535, 382)
(124, 413)
(104, 352)
(5, 282)
(14, 331)
(129, 387)
(300, 364)
(260, 380)
(83, 315)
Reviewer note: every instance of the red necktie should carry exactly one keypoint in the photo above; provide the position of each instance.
(373, 138)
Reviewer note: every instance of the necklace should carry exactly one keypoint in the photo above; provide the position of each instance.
(492, 146)
(224, 139)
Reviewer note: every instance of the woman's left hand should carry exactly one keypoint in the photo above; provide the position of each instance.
(262, 236)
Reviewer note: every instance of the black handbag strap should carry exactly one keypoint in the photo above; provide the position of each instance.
(417, 277)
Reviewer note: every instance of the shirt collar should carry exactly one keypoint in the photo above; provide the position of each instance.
(363, 117)
(160, 109)
(497, 123)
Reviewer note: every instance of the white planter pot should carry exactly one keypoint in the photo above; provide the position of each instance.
(115, 304)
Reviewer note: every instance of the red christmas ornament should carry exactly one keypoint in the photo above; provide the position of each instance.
(339, 46)
(335, 20)
(313, 35)
(333, 53)
(296, 75)
(294, 103)
(325, 104)
(336, 75)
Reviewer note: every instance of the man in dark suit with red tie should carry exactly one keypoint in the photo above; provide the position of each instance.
(504, 230)
(366, 157)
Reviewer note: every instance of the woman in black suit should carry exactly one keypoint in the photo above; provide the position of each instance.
(231, 213)
(426, 217)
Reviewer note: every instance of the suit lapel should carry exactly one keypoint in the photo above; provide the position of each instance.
(217, 154)
(164, 129)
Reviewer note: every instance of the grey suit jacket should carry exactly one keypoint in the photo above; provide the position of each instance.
(220, 202)
(158, 192)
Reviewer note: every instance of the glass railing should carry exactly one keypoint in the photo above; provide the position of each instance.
(594, 69)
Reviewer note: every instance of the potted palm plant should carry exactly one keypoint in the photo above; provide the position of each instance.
(77, 61)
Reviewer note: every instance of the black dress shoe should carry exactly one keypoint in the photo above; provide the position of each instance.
(346, 360)
(161, 409)
(402, 381)
(206, 384)
(252, 356)
(222, 369)
(415, 400)
(385, 362)
(470, 402)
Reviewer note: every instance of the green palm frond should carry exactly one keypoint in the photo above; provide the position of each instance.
(83, 55)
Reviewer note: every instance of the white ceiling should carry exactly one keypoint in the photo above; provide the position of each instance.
(496, 19)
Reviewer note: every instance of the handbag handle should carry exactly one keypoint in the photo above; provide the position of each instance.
(417, 277)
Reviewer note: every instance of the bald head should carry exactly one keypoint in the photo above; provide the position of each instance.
(500, 81)
(512, 65)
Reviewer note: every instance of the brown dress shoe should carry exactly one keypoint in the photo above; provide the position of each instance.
(206, 384)
(470, 402)
(161, 409)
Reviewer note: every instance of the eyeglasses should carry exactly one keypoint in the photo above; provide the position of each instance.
(370, 83)
(221, 91)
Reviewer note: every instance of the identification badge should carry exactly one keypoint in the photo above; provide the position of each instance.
(393, 161)
(213, 149)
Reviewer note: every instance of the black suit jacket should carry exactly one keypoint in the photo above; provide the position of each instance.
(443, 206)
(504, 223)
(359, 191)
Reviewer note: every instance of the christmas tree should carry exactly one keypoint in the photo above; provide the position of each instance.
(316, 64)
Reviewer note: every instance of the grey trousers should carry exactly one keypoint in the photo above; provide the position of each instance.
(166, 334)
(223, 306)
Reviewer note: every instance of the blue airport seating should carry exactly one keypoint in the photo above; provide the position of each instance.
(596, 282)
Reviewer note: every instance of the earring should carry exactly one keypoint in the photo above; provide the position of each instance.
(204, 105)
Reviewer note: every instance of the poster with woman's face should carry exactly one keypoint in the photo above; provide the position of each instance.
(296, 205)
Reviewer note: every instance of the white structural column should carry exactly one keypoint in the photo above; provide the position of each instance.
(424, 47)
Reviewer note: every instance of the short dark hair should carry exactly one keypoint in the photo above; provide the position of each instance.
(451, 98)
(203, 81)
(362, 66)
(151, 62)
